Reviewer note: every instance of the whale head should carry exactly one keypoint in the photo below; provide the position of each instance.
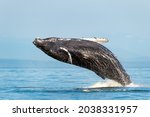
(53, 47)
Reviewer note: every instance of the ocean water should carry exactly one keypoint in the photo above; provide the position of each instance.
(29, 80)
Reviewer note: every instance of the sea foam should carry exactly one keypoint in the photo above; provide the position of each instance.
(111, 83)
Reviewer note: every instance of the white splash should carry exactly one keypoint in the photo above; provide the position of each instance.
(107, 83)
(134, 85)
(111, 83)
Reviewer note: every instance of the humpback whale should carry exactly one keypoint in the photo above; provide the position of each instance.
(87, 53)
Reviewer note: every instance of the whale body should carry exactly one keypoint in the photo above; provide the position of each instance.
(87, 54)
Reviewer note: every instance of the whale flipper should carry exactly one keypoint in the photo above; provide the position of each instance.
(97, 40)
(68, 53)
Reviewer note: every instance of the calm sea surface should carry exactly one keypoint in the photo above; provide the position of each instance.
(20, 80)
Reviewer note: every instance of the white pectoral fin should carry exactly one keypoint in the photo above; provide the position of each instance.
(68, 53)
(98, 40)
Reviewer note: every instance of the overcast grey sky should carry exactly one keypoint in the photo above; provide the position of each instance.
(126, 23)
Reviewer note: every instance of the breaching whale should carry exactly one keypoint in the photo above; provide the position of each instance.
(87, 53)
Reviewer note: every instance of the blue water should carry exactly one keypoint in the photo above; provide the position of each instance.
(22, 80)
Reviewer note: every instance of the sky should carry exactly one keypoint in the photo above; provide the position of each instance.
(126, 23)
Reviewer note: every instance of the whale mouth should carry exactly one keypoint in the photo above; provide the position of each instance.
(34, 42)
(38, 42)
